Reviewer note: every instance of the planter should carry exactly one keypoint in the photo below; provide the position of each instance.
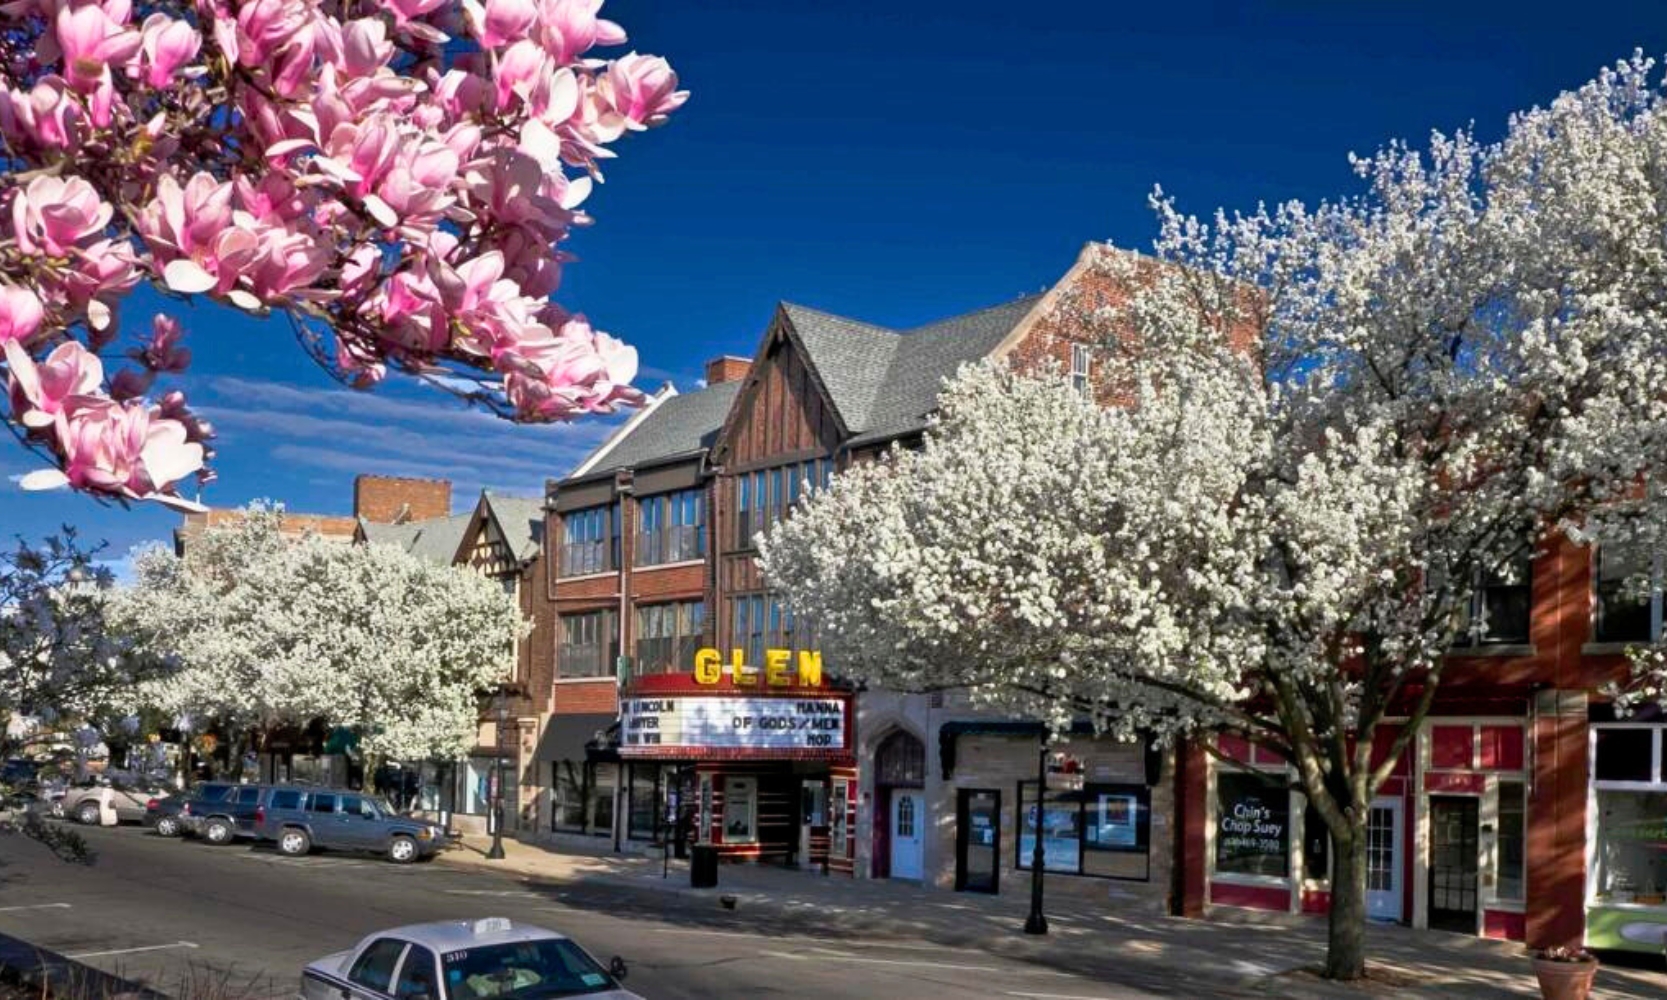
(1565, 980)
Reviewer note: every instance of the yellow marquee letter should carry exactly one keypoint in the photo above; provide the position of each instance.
(775, 668)
(709, 666)
(810, 668)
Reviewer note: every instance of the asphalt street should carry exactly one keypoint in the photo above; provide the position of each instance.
(176, 913)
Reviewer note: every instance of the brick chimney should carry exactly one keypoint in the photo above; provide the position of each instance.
(395, 500)
(727, 368)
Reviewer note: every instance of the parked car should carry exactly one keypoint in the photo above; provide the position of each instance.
(299, 819)
(464, 960)
(164, 815)
(221, 813)
(102, 802)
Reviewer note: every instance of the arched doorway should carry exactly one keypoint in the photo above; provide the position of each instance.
(900, 820)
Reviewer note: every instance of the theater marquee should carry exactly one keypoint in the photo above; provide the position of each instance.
(663, 725)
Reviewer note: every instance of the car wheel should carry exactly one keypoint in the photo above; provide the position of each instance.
(294, 843)
(167, 826)
(402, 850)
(88, 813)
(217, 832)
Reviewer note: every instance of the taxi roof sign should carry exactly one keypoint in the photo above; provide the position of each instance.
(491, 925)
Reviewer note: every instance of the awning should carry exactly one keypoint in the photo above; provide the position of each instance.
(575, 737)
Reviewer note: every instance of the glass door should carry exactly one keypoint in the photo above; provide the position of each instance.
(1454, 856)
(977, 840)
(1383, 860)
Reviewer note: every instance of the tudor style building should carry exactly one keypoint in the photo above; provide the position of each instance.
(652, 561)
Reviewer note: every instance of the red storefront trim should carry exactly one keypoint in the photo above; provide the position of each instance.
(1251, 897)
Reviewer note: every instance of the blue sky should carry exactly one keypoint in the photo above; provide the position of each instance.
(895, 160)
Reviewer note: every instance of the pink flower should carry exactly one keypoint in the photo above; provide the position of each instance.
(53, 214)
(41, 392)
(570, 28)
(643, 89)
(501, 21)
(365, 47)
(91, 42)
(46, 117)
(521, 70)
(121, 449)
(162, 352)
(167, 45)
(130, 383)
(20, 314)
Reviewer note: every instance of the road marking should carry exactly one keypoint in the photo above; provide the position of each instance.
(1055, 996)
(35, 906)
(500, 893)
(130, 951)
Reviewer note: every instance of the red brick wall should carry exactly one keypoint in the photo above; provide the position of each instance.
(728, 368)
(584, 697)
(387, 498)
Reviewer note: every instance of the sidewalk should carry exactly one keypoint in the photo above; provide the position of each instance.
(1231, 955)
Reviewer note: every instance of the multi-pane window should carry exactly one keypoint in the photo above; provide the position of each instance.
(1513, 839)
(763, 496)
(589, 644)
(1628, 592)
(1081, 362)
(590, 541)
(759, 622)
(671, 528)
(1497, 609)
(668, 635)
(1101, 830)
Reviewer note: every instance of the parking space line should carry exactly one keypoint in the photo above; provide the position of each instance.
(35, 906)
(1055, 996)
(132, 951)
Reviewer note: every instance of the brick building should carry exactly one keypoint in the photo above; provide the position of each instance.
(1523, 811)
(652, 562)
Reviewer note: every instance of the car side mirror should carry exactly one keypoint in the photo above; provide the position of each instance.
(616, 967)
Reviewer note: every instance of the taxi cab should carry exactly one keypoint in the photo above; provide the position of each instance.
(464, 960)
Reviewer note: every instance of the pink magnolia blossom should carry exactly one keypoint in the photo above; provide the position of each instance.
(41, 392)
(643, 89)
(122, 449)
(91, 41)
(21, 314)
(167, 45)
(401, 197)
(54, 214)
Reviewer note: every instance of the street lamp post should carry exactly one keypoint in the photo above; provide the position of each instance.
(1036, 923)
(496, 816)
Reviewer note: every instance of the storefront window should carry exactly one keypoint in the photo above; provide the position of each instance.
(740, 810)
(1512, 839)
(477, 786)
(1629, 866)
(837, 831)
(1253, 814)
(568, 795)
(1102, 830)
(704, 834)
(1625, 753)
(1316, 845)
(604, 780)
(643, 823)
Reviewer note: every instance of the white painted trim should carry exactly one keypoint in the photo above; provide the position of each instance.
(598, 679)
(637, 570)
(624, 430)
(1420, 830)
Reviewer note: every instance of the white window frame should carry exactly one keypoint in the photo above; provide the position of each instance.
(748, 787)
(1657, 567)
(1082, 366)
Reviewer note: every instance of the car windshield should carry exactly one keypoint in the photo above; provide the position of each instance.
(553, 967)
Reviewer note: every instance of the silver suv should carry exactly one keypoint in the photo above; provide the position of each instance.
(300, 819)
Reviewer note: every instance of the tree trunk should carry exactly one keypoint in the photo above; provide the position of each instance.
(1346, 941)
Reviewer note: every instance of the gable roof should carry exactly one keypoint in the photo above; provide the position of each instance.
(849, 357)
(682, 424)
(435, 539)
(520, 520)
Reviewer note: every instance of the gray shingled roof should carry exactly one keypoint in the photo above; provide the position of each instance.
(883, 382)
(435, 539)
(522, 521)
(851, 358)
(927, 355)
(681, 425)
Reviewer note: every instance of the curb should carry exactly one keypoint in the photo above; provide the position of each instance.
(65, 978)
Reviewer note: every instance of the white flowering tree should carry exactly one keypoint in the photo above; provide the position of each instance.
(1338, 420)
(274, 629)
(58, 661)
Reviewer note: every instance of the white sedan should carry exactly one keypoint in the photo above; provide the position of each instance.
(464, 960)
